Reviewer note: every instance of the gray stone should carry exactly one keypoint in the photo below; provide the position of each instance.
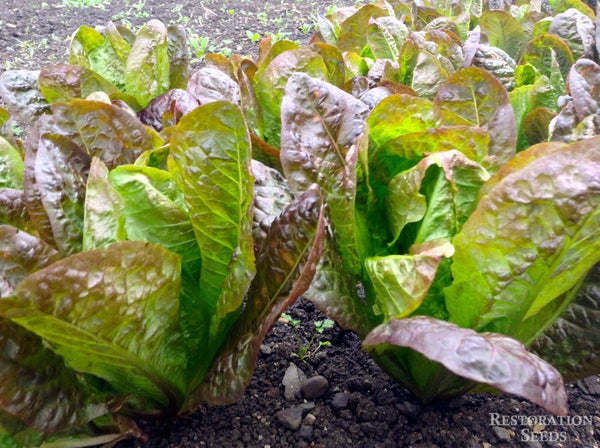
(315, 387)
(340, 401)
(306, 432)
(502, 433)
(291, 418)
(292, 381)
(266, 349)
(408, 409)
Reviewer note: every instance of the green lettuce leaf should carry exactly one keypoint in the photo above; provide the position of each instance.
(111, 312)
(478, 99)
(541, 50)
(503, 31)
(147, 71)
(536, 233)
(11, 166)
(210, 162)
(179, 56)
(103, 216)
(285, 268)
(63, 82)
(353, 30)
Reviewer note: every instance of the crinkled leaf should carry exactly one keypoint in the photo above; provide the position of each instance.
(285, 269)
(353, 31)
(503, 31)
(110, 312)
(563, 5)
(63, 82)
(167, 109)
(576, 30)
(153, 211)
(60, 176)
(532, 237)
(103, 215)
(147, 73)
(208, 85)
(105, 61)
(179, 58)
(83, 42)
(210, 162)
(12, 208)
(487, 358)
(322, 128)
(11, 166)
(271, 196)
(385, 36)
(497, 62)
(478, 99)
(583, 84)
(37, 386)
(271, 83)
(102, 130)
(539, 53)
(333, 59)
(400, 282)
(20, 255)
(571, 342)
(19, 91)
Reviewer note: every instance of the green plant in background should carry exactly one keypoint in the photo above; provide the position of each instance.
(304, 350)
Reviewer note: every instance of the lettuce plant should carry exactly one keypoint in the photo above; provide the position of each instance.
(466, 252)
(132, 290)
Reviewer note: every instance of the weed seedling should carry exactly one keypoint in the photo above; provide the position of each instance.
(304, 351)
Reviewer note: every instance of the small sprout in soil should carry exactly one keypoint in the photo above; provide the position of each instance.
(304, 351)
(252, 36)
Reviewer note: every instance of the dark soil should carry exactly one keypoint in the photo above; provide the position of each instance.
(362, 407)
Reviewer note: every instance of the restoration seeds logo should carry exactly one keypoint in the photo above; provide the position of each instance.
(539, 428)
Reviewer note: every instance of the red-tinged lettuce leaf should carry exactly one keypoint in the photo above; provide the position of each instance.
(210, 161)
(120, 44)
(111, 312)
(571, 342)
(271, 82)
(438, 194)
(355, 65)
(478, 99)
(385, 37)
(147, 73)
(427, 60)
(583, 84)
(20, 255)
(12, 208)
(103, 221)
(503, 31)
(19, 91)
(576, 30)
(179, 56)
(334, 61)
(63, 82)
(248, 100)
(11, 166)
(209, 84)
(539, 53)
(102, 130)
(83, 42)
(285, 268)
(327, 31)
(353, 30)
(487, 358)
(322, 130)
(60, 173)
(167, 109)
(497, 62)
(400, 282)
(154, 211)
(563, 5)
(271, 196)
(536, 125)
(333, 291)
(398, 115)
(37, 387)
(279, 47)
(536, 234)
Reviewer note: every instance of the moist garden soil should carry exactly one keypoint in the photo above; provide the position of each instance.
(361, 407)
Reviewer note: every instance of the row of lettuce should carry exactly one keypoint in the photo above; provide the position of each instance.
(156, 222)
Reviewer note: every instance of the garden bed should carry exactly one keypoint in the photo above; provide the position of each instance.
(361, 406)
